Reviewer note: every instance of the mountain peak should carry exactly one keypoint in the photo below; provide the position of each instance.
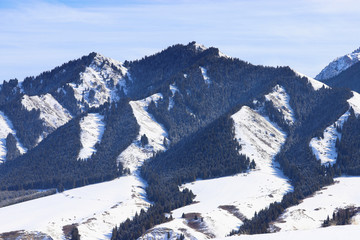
(197, 46)
(339, 65)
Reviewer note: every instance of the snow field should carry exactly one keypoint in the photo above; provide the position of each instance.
(205, 76)
(131, 158)
(51, 112)
(92, 129)
(134, 156)
(324, 149)
(355, 102)
(314, 83)
(280, 100)
(329, 233)
(223, 203)
(312, 211)
(6, 127)
(96, 208)
(173, 90)
(98, 82)
(339, 65)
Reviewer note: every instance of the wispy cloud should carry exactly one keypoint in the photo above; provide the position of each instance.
(305, 34)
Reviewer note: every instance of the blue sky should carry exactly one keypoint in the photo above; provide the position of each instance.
(37, 35)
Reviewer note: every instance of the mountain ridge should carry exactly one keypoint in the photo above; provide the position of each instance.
(196, 98)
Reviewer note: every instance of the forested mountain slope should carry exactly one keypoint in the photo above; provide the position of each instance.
(186, 114)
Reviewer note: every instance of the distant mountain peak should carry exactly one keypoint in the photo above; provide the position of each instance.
(356, 50)
(199, 47)
(339, 65)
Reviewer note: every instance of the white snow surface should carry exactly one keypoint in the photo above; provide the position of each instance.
(329, 233)
(324, 149)
(6, 127)
(355, 102)
(200, 47)
(245, 193)
(280, 100)
(339, 65)
(92, 129)
(205, 76)
(51, 112)
(134, 156)
(100, 79)
(96, 208)
(314, 83)
(312, 211)
(173, 89)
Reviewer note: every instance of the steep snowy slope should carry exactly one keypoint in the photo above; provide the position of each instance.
(315, 83)
(222, 204)
(339, 65)
(132, 158)
(102, 81)
(205, 76)
(92, 129)
(6, 128)
(325, 148)
(52, 113)
(280, 100)
(312, 211)
(135, 154)
(173, 89)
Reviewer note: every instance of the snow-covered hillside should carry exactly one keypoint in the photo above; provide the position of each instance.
(280, 100)
(325, 148)
(135, 154)
(173, 89)
(329, 233)
(51, 112)
(354, 102)
(339, 64)
(100, 82)
(314, 83)
(5, 128)
(222, 204)
(92, 129)
(312, 211)
(205, 76)
(96, 209)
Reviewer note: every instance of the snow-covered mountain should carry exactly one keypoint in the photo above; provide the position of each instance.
(186, 143)
(339, 65)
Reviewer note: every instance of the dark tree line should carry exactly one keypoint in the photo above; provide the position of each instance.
(296, 159)
(348, 160)
(54, 164)
(28, 124)
(212, 152)
(341, 216)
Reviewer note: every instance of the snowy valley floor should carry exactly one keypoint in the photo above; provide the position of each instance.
(95, 208)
